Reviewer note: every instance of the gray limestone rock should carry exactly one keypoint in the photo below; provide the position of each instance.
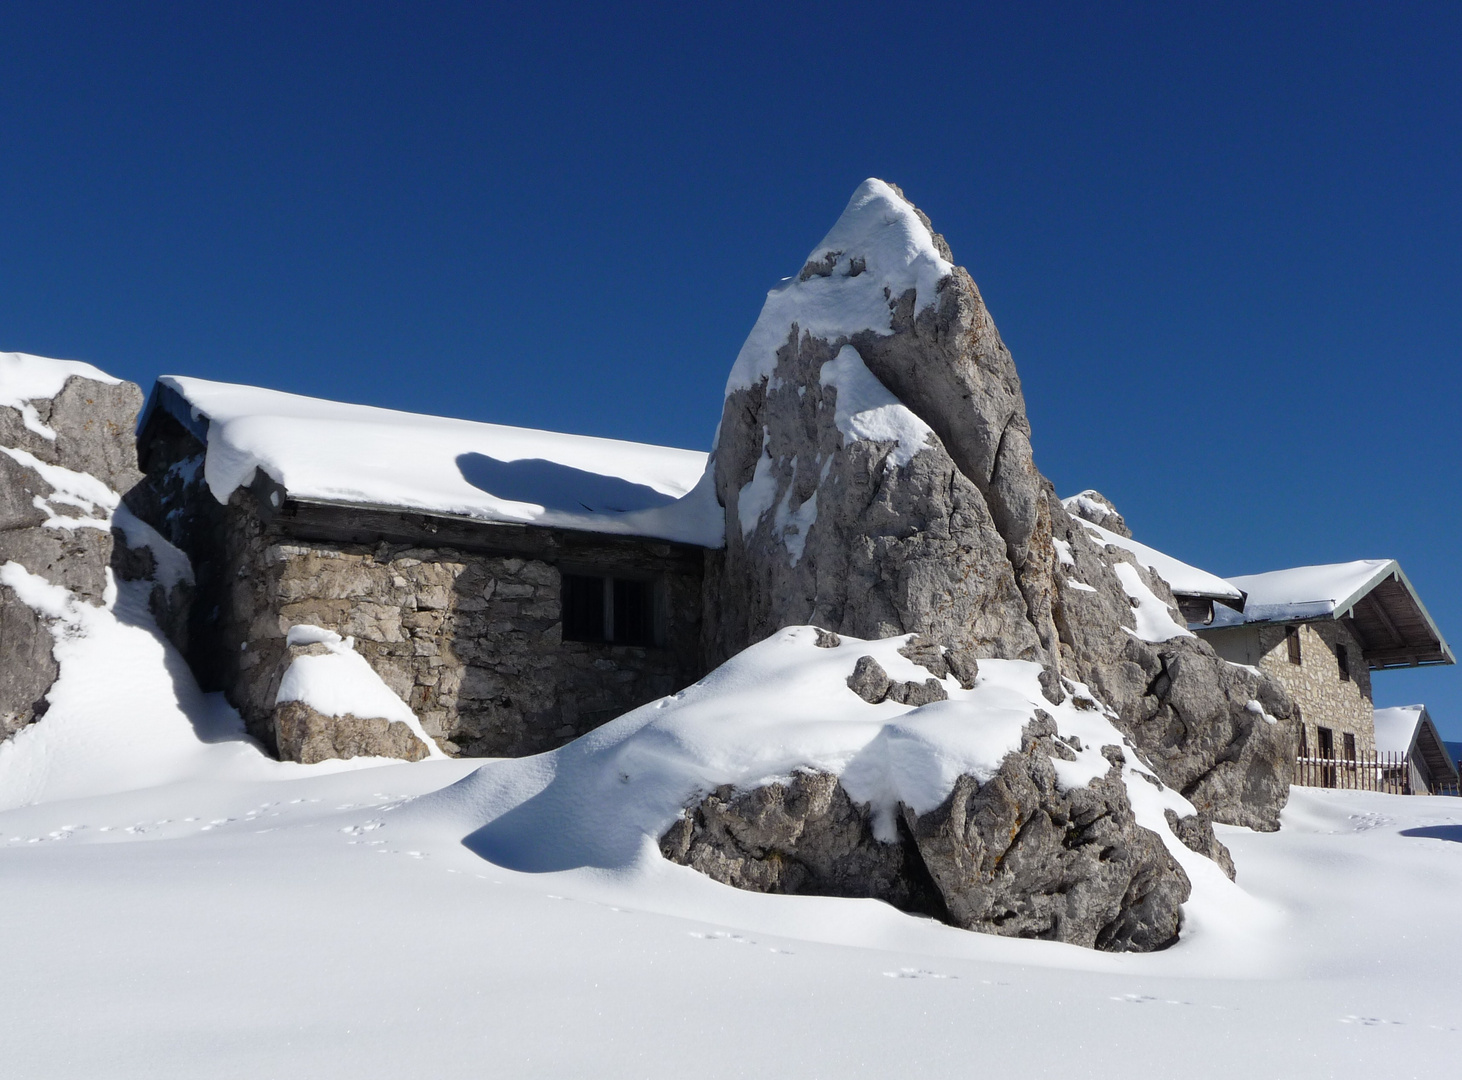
(955, 539)
(302, 733)
(94, 424)
(871, 683)
(925, 651)
(1019, 856)
(1015, 856)
(53, 537)
(1186, 710)
(306, 736)
(1196, 833)
(1095, 507)
(805, 836)
(915, 693)
(893, 548)
(27, 668)
(827, 640)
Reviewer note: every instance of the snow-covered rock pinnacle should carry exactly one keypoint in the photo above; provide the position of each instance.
(874, 461)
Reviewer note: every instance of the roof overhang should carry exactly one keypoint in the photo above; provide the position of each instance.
(1391, 624)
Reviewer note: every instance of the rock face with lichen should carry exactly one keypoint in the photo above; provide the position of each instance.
(874, 460)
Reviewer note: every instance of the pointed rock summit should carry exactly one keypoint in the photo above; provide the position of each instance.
(874, 462)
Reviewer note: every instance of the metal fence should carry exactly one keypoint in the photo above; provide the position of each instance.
(1390, 773)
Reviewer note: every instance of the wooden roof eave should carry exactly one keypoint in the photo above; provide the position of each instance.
(1426, 743)
(1406, 648)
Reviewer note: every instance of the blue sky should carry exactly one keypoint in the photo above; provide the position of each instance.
(1223, 242)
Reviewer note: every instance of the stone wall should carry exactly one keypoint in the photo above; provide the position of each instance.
(460, 619)
(1314, 684)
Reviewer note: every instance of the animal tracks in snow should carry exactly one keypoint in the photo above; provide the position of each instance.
(737, 939)
(1148, 999)
(916, 973)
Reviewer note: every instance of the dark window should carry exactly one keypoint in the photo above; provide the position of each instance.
(620, 611)
(634, 612)
(1292, 639)
(1342, 657)
(583, 608)
(1349, 747)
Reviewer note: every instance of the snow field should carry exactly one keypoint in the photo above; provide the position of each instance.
(334, 926)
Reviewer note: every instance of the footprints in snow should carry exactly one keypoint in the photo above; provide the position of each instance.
(193, 824)
(736, 939)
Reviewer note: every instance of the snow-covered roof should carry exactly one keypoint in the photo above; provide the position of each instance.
(1185, 580)
(359, 455)
(1308, 592)
(1386, 614)
(1408, 729)
(1396, 728)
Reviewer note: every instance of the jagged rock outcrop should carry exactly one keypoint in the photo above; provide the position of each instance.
(66, 454)
(1215, 731)
(82, 422)
(1016, 855)
(1096, 508)
(874, 461)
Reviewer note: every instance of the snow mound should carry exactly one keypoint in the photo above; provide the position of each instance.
(878, 249)
(777, 707)
(125, 712)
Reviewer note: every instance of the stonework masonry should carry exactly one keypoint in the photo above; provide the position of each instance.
(461, 619)
(1314, 684)
(472, 642)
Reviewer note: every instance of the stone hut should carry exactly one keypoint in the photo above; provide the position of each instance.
(515, 588)
(1321, 631)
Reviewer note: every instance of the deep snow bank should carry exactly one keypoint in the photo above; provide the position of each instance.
(779, 707)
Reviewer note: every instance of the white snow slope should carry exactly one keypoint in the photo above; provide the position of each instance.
(235, 917)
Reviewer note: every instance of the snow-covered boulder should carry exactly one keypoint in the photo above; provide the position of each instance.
(987, 806)
(67, 453)
(332, 704)
(875, 465)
